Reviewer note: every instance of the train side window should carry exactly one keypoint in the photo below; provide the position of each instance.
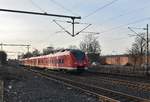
(59, 61)
(39, 61)
(56, 61)
(62, 61)
(44, 61)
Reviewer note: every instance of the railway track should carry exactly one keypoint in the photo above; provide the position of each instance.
(131, 84)
(132, 88)
(104, 95)
(144, 80)
(116, 81)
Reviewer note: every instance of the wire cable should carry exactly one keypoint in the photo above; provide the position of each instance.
(63, 7)
(124, 14)
(37, 6)
(100, 8)
(120, 26)
(70, 22)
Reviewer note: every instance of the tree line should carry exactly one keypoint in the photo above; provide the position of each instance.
(138, 50)
(89, 44)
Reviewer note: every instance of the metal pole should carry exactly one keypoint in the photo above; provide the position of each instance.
(28, 48)
(37, 13)
(1, 46)
(73, 27)
(147, 60)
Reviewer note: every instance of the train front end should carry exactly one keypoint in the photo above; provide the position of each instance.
(80, 60)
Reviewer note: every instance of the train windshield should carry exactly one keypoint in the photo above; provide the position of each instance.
(79, 55)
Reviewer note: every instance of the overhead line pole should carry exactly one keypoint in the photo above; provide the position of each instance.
(73, 27)
(45, 14)
(147, 51)
(15, 45)
(37, 13)
(28, 46)
(147, 45)
(1, 46)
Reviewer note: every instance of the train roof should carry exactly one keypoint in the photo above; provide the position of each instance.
(60, 52)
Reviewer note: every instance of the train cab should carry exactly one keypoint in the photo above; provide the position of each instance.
(80, 59)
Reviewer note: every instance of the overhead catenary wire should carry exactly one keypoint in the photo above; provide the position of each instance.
(70, 22)
(94, 33)
(63, 7)
(37, 6)
(88, 14)
(100, 8)
(55, 2)
(73, 34)
(121, 33)
(63, 28)
(133, 22)
(124, 14)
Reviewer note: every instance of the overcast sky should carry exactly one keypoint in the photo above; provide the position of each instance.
(109, 17)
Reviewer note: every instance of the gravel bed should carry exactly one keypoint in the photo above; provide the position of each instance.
(24, 86)
(97, 81)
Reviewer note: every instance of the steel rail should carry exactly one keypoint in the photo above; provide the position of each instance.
(134, 84)
(130, 84)
(105, 95)
(145, 85)
(101, 97)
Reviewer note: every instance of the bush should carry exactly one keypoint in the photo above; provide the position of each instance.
(128, 64)
(3, 57)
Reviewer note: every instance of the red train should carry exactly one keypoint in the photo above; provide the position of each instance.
(64, 60)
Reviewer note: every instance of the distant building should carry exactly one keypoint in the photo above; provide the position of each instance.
(123, 60)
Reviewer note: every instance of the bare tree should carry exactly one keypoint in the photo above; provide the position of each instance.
(3, 57)
(90, 44)
(27, 55)
(48, 50)
(73, 47)
(36, 52)
(138, 49)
